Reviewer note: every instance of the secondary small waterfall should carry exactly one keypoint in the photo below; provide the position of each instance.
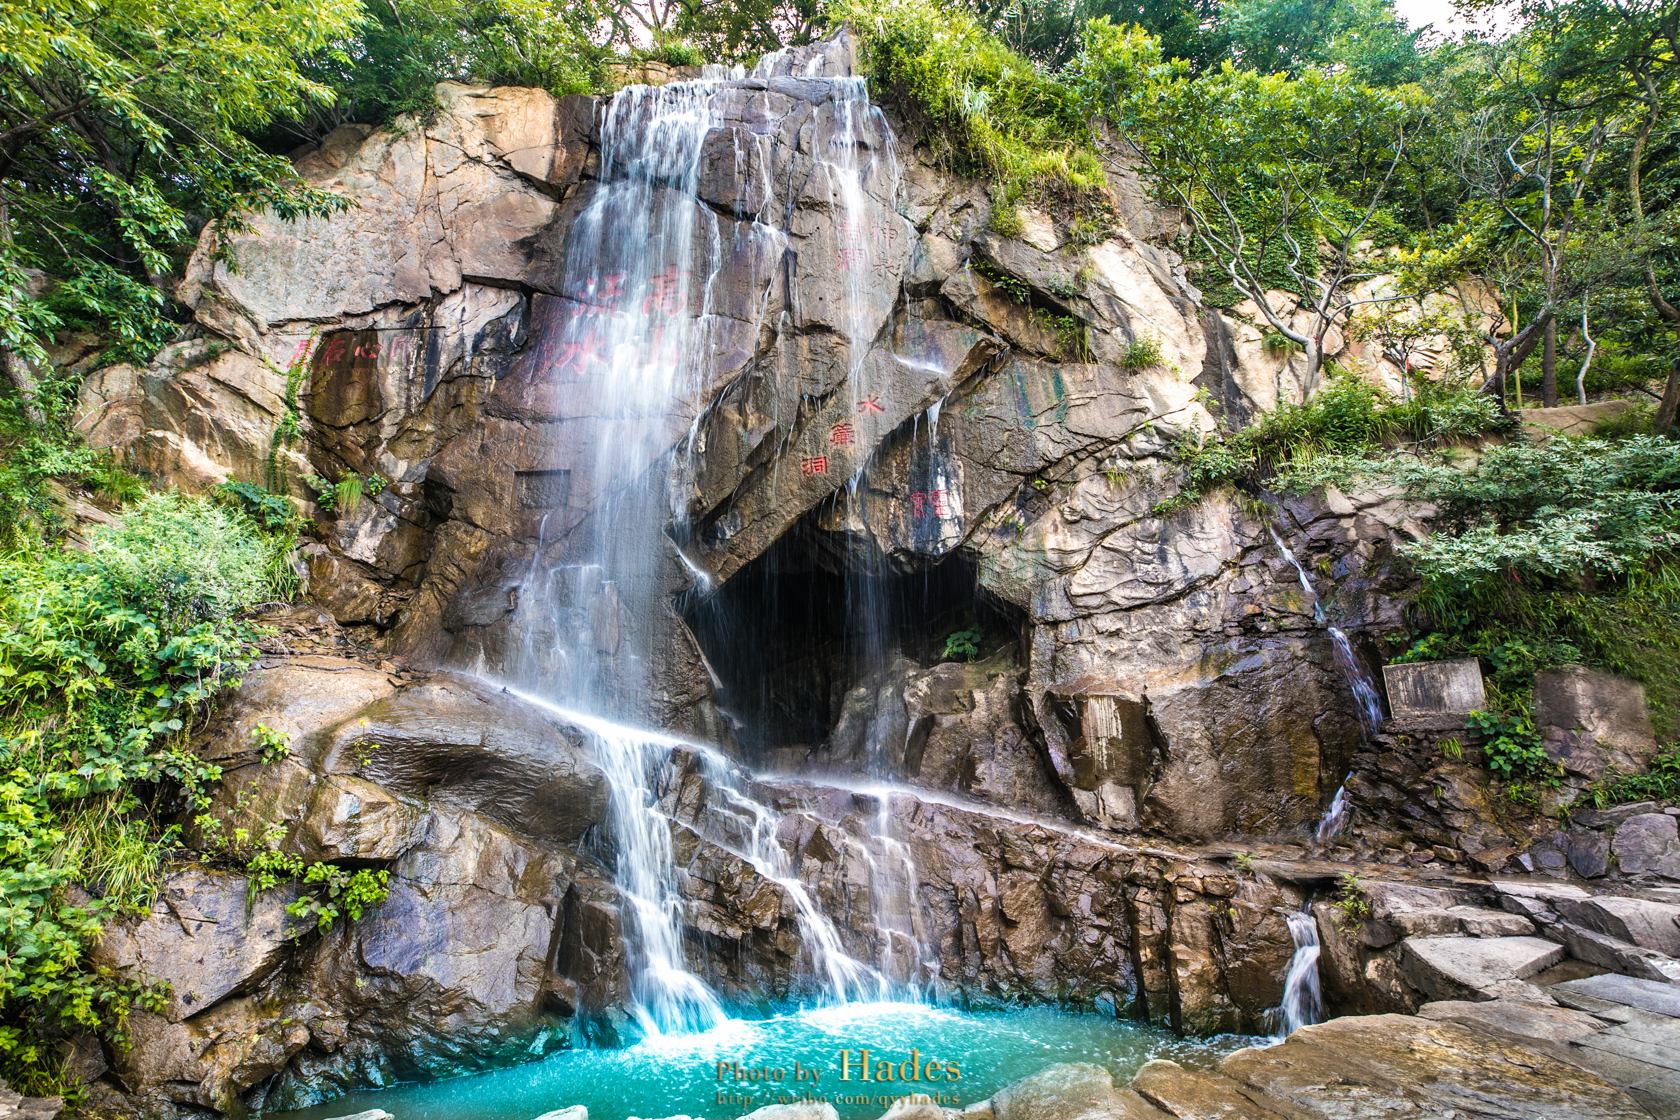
(624, 367)
(1302, 1004)
(1367, 703)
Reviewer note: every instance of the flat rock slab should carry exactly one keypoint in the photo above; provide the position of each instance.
(1400, 1066)
(1517, 1019)
(1075, 1091)
(1650, 925)
(1647, 995)
(1446, 968)
(1205, 1096)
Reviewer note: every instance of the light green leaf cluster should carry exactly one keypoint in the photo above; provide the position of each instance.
(106, 658)
(126, 123)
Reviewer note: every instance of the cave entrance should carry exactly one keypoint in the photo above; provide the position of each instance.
(822, 612)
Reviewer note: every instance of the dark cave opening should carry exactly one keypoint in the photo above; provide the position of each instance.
(819, 613)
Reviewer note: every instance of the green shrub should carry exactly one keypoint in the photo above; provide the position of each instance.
(1142, 352)
(35, 454)
(964, 645)
(1555, 553)
(1342, 434)
(991, 109)
(1661, 782)
(106, 660)
(272, 512)
(1513, 749)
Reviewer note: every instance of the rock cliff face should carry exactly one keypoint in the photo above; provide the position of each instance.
(890, 388)
(902, 428)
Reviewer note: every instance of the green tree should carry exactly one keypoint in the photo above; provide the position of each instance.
(1284, 180)
(124, 127)
(390, 61)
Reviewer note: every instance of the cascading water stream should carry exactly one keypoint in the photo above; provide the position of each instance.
(625, 364)
(1368, 704)
(1302, 1003)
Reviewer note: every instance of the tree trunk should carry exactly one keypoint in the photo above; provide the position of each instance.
(1508, 356)
(1670, 400)
(1666, 311)
(23, 383)
(1548, 368)
(16, 369)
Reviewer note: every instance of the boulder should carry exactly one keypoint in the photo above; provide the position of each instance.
(1648, 843)
(204, 938)
(1070, 1092)
(450, 973)
(1517, 1020)
(210, 1060)
(1589, 852)
(1449, 968)
(1651, 925)
(466, 743)
(1205, 1096)
(1593, 721)
(1397, 1065)
(15, 1106)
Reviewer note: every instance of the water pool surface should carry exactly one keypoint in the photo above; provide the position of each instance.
(682, 1075)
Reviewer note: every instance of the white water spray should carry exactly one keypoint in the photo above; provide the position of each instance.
(1302, 1003)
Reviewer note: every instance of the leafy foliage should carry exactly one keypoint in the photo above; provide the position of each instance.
(1341, 433)
(38, 453)
(1556, 553)
(1513, 749)
(106, 659)
(1351, 900)
(962, 645)
(989, 108)
(1661, 782)
(127, 126)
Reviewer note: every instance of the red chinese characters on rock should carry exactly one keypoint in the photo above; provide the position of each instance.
(929, 503)
(337, 350)
(858, 255)
(665, 292)
(557, 353)
(869, 404)
(599, 295)
(812, 465)
(842, 434)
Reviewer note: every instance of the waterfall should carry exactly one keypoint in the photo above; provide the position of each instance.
(1367, 703)
(665, 997)
(1335, 817)
(1302, 1005)
(623, 367)
(618, 364)
(842, 977)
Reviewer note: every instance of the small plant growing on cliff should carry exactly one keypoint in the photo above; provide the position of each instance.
(1453, 749)
(1513, 749)
(345, 494)
(1245, 862)
(337, 891)
(274, 745)
(1006, 219)
(964, 645)
(1351, 900)
(1661, 782)
(1142, 352)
